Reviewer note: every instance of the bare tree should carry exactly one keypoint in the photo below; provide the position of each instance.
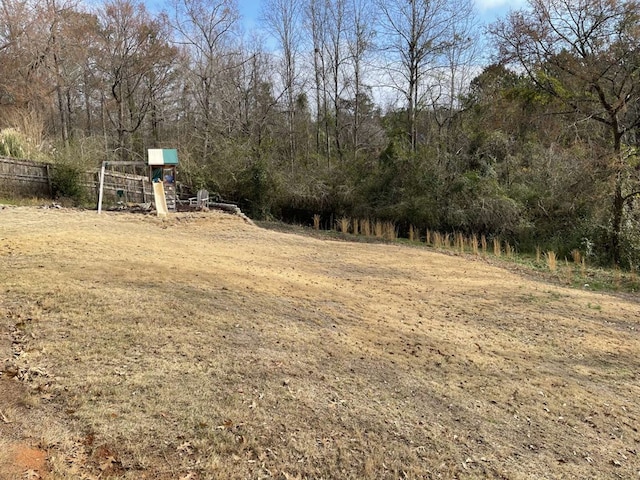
(22, 82)
(316, 17)
(337, 54)
(416, 33)
(457, 66)
(585, 55)
(136, 60)
(206, 31)
(360, 37)
(282, 19)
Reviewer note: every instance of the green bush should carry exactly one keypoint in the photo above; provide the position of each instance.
(11, 144)
(66, 182)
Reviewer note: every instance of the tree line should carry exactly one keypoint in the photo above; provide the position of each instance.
(389, 110)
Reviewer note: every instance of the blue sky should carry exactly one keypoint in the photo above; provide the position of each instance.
(249, 9)
(489, 10)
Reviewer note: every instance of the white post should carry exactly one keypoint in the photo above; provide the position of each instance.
(101, 187)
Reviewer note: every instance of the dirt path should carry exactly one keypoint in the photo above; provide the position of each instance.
(19, 455)
(203, 347)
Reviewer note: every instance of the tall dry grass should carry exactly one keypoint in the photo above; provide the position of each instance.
(316, 222)
(378, 229)
(568, 272)
(508, 249)
(483, 244)
(497, 248)
(390, 232)
(343, 225)
(576, 255)
(365, 227)
(459, 242)
(474, 244)
(437, 240)
(552, 261)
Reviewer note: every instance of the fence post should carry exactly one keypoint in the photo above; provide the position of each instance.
(49, 182)
(101, 187)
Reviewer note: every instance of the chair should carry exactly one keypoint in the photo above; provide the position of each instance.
(201, 200)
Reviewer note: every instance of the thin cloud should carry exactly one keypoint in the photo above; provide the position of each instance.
(484, 5)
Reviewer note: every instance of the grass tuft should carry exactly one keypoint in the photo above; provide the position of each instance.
(577, 256)
(497, 249)
(365, 227)
(552, 261)
(474, 244)
(378, 229)
(343, 225)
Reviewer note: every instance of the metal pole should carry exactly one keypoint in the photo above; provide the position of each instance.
(101, 187)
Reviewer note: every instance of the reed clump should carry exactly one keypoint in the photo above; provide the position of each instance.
(390, 231)
(474, 244)
(437, 240)
(552, 261)
(378, 229)
(365, 227)
(343, 225)
(568, 272)
(497, 247)
(576, 256)
(459, 242)
(508, 249)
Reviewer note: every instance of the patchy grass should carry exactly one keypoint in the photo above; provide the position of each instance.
(24, 202)
(202, 347)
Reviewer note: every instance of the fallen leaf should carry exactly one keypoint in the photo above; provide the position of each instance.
(108, 463)
(226, 424)
(4, 418)
(186, 447)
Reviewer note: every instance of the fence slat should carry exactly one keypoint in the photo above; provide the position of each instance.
(27, 178)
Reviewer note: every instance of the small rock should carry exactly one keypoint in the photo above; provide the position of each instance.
(9, 369)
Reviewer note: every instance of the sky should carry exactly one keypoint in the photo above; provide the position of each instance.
(489, 10)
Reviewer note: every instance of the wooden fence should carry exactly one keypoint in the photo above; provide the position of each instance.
(122, 187)
(25, 178)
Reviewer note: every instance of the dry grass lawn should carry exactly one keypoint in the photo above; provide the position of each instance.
(202, 347)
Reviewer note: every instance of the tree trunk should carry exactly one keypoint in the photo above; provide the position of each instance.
(616, 223)
(618, 198)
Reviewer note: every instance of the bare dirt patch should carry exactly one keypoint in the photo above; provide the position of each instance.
(18, 457)
(203, 347)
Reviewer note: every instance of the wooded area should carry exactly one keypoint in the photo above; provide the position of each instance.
(387, 110)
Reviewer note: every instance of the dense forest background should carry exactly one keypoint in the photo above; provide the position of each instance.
(407, 111)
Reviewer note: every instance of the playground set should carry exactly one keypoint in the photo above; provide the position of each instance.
(162, 168)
